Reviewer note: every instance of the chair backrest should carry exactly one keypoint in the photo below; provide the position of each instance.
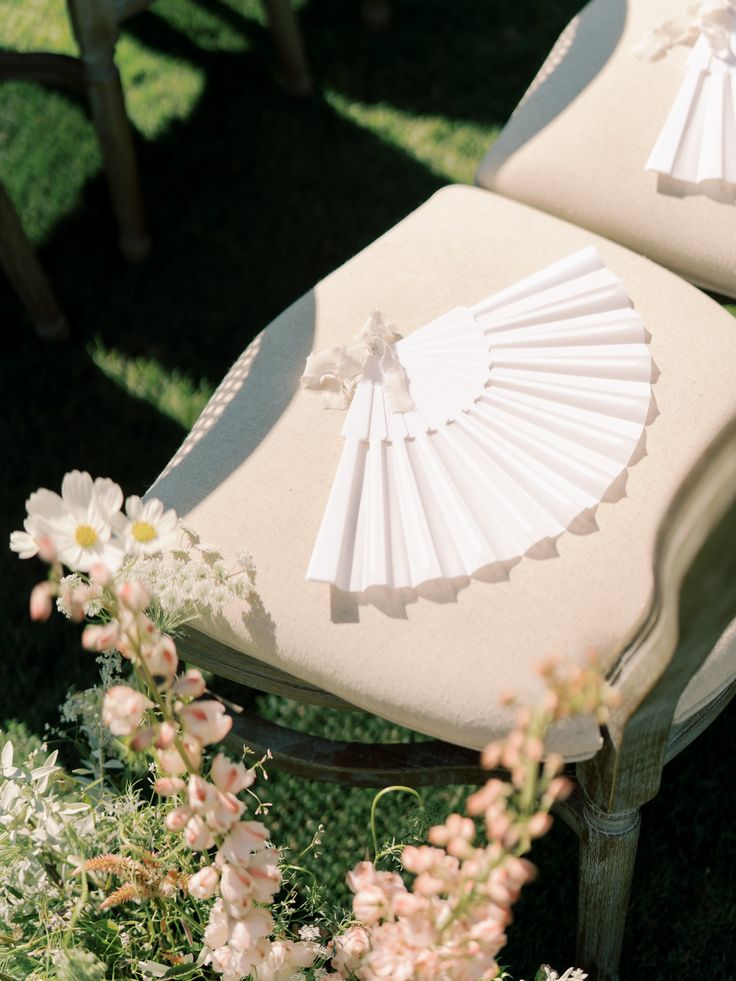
(693, 602)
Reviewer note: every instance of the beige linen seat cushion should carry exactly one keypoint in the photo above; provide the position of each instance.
(256, 470)
(577, 144)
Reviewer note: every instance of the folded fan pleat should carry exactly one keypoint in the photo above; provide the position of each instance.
(697, 143)
(527, 407)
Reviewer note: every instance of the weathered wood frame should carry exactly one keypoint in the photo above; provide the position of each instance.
(693, 601)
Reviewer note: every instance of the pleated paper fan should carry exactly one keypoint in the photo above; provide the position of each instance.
(697, 144)
(523, 411)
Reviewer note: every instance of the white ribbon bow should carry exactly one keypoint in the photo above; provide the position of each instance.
(713, 18)
(336, 371)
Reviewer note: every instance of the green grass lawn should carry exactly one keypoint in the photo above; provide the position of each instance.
(251, 199)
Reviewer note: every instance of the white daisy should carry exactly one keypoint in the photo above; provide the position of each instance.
(25, 543)
(148, 527)
(80, 522)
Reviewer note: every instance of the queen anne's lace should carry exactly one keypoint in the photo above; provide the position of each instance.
(336, 371)
(713, 18)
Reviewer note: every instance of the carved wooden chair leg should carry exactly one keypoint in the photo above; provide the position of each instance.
(287, 41)
(96, 29)
(26, 275)
(607, 855)
(376, 14)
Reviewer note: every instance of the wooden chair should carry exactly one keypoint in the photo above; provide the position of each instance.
(26, 275)
(96, 26)
(648, 581)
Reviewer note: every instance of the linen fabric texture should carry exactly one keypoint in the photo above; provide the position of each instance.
(257, 467)
(578, 143)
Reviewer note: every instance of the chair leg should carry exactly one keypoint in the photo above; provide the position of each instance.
(26, 275)
(607, 855)
(96, 29)
(287, 40)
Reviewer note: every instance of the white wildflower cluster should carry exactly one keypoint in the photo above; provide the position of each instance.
(92, 607)
(38, 827)
(192, 581)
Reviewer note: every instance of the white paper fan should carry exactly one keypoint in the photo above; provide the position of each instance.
(698, 141)
(527, 407)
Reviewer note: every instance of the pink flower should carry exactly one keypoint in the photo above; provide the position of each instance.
(203, 884)
(102, 637)
(350, 949)
(169, 786)
(236, 884)
(206, 721)
(224, 811)
(230, 777)
(123, 708)
(178, 819)
(364, 874)
(166, 735)
(134, 595)
(370, 905)
(201, 794)
(190, 684)
(161, 658)
(264, 869)
(244, 839)
(171, 762)
(217, 931)
(253, 926)
(197, 835)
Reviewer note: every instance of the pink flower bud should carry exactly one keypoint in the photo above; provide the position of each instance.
(134, 595)
(197, 834)
(41, 601)
(230, 777)
(169, 786)
(177, 819)
(161, 658)
(539, 824)
(206, 721)
(204, 884)
(224, 812)
(190, 684)
(236, 884)
(362, 876)
(166, 735)
(171, 762)
(100, 575)
(123, 708)
(102, 637)
(265, 873)
(201, 794)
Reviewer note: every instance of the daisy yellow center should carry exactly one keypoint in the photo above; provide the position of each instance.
(85, 536)
(143, 531)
